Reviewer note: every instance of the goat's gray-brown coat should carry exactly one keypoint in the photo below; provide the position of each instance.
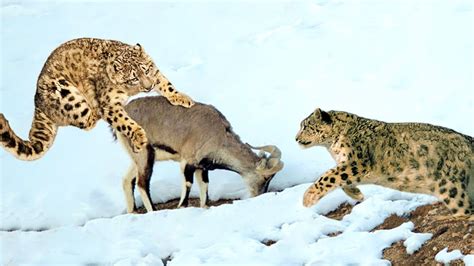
(201, 139)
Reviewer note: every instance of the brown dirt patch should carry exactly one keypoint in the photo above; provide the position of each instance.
(447, 232)
(268, 242)
(193, 202)
(340, 212)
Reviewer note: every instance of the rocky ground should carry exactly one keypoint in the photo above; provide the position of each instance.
(447, 232)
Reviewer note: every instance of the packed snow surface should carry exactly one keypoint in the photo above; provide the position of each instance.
(445, 256)
(265, 66)
(234, 233)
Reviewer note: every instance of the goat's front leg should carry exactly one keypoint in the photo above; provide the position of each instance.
(128, 185)
(340, 176)
(114, 113)
(202, 176)
(187, 171)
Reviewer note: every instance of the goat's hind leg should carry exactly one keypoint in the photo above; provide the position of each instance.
(202, 177)
(187, 172)
(145, 170)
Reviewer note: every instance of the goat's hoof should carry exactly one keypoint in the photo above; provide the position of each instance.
(182, 206)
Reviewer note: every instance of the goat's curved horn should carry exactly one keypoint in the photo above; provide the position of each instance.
(272, 164)
(272, 149)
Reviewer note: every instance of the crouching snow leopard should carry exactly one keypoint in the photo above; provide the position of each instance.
(82, 81)
(412, 157)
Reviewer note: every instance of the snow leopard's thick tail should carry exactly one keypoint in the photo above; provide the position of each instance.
(41, 137)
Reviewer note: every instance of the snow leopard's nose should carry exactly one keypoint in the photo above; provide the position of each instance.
(147, 84)
(302, 142)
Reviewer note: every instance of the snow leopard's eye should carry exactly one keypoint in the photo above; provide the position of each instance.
(133, 81)
(146, 69)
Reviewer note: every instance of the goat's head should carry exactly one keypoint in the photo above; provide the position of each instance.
(265, 169)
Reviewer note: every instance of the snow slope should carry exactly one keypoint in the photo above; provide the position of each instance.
(266, 66)
(228, 234)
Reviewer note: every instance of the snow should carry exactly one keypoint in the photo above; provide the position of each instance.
(232, 233)
(468, 260)
(414, 242)
(266, 66)
(445, 257)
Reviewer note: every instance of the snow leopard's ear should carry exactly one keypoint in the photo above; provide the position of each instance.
(322, 116)
(138, 47)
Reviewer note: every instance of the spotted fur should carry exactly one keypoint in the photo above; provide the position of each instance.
(82, 81)
(412, 157)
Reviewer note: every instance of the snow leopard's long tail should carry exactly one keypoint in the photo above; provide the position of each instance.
(41, 137)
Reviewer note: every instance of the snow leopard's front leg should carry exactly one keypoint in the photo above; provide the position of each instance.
(341, 176)
(112, 108)
(167, 89)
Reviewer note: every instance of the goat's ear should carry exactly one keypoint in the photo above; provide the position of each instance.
(275, 165)
(261, 164)
(269, 166)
